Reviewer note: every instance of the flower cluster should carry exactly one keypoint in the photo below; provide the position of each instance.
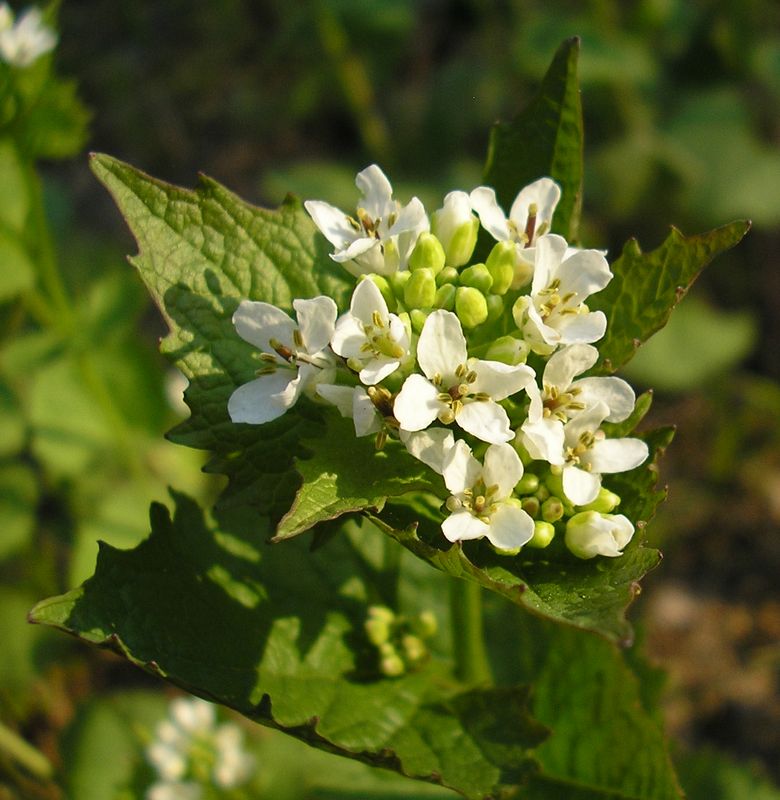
(398, 639)
(477, 368)
(24, 41)
(191, 751)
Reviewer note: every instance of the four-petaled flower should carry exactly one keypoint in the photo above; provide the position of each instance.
(457, 388)
(381, 236)
(295, 356)
(481, 502)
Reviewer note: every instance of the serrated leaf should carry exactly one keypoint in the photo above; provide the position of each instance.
(200, 253)
(343, 474)
(544, 139)
(592, 595)
(276, 633)
(647, 286)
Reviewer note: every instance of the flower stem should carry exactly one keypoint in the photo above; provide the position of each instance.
(471, 663)
(24, 754)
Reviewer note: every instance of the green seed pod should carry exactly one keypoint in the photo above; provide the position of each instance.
(544, 532)
(470, 306)
(477, 275)
(501, 265)
(508, 350)
(528, 484)
(420, 289)
(427, 254)
(447, 275)
(445, 297)
(552, 509)
(605, 502)
(495, 306)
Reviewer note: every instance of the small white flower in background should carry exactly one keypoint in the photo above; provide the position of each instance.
(384, 233)
(590, 534)
(481, 502)
(189, 745)
(561, 398)
(295, 356)
(372, 339)
(457, 388)
(588, 454)
(555, 312)
(26, 40)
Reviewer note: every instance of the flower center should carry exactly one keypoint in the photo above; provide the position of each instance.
(379, 338)
(454, 396)
(560, 405)
(574, 455)
(480, 500)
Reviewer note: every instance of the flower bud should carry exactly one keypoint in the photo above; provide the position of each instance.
(470, 306)
(552, 509)
(391, 664)
(445, 297)
(414, 648)
(501, 265)
(447, 275)
(531, 506)
(605, 502)
(524, 271)
(521, 450)
(398, 281)
(508, 350)
(384, 289)
(428, 253)
(544, 533)
(425, 624)
(420, 289)
(495, 307)
(528, 484)
(418, 317)
(477, 275)
(456, 228)
(377, 630)
(590, 534)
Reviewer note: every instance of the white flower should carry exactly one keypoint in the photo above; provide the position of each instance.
(370, 336)
(555, 313)
(588, 454)
(232, 765)
(295, 356)
(354, 402)
(455, 387)
(590, 534)
(430, 446)
(382, 237)
(174, 790)
(561, 397)
(529, 217)
(25, 41)
(481, 501)
(456, 228)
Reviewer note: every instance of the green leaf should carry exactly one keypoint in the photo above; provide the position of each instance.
(18, 498)
(709, 775)
(56, 125)
(344, 474)
(647, 286)
(592, 595)
(200, 253)
(18, 271)
(276, 633)
(13, 181)
(544, 139)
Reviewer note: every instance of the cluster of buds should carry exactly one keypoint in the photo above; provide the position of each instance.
(399, 640)
(474, 366)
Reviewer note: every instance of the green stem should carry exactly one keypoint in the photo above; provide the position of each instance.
(24, 754)
(471, 662)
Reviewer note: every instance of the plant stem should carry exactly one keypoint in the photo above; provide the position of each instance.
(24, 753)
(471, 663)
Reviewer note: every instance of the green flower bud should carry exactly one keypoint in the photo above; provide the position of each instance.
(501, 265)
(414, 648)
(477, 275)
(528, 484)
(427, 254)
(425, 624)
(531, 506)
(384, 289)
(462, 244)
(445, 297)
(508, 350)
(398, 281)
(391, 664)
(524, 271)
(377, 630)
(420, 289)
(555, 484)
(495, 306)
(418, 317)
(525, 456)
(605, 502)
(470, 306)
(519, 310)
(447, 275)
(544, 532)
(552, 509)
(456, 227)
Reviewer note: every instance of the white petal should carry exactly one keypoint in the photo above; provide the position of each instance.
(257, 323)
(499, 380)
(510, 528)
(550, 250)
(376, 192)
(367, 418)
(412, 218)
(546, 193)
(585, 273)
(316, 319)
(455, 211)
(442, 345)
(502, 467)
(417, 404)
(378, 369)
(536, 408)
(366, 299)
(462, 525)
(332, 222)
(582, 328)
(363, 248)
(615, 393)
(460, 469)
(192, 714)
(568, 362)
(579, 486)
(429, 446)
(587, 421)
(486, 420)
(544, 440)
(589, 534)
(263, 399)
(493, 220)
(537, 330)
(616, 455)
(339, 396)
(348, 337)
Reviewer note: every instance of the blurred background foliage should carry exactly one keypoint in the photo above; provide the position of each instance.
(682, 118)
